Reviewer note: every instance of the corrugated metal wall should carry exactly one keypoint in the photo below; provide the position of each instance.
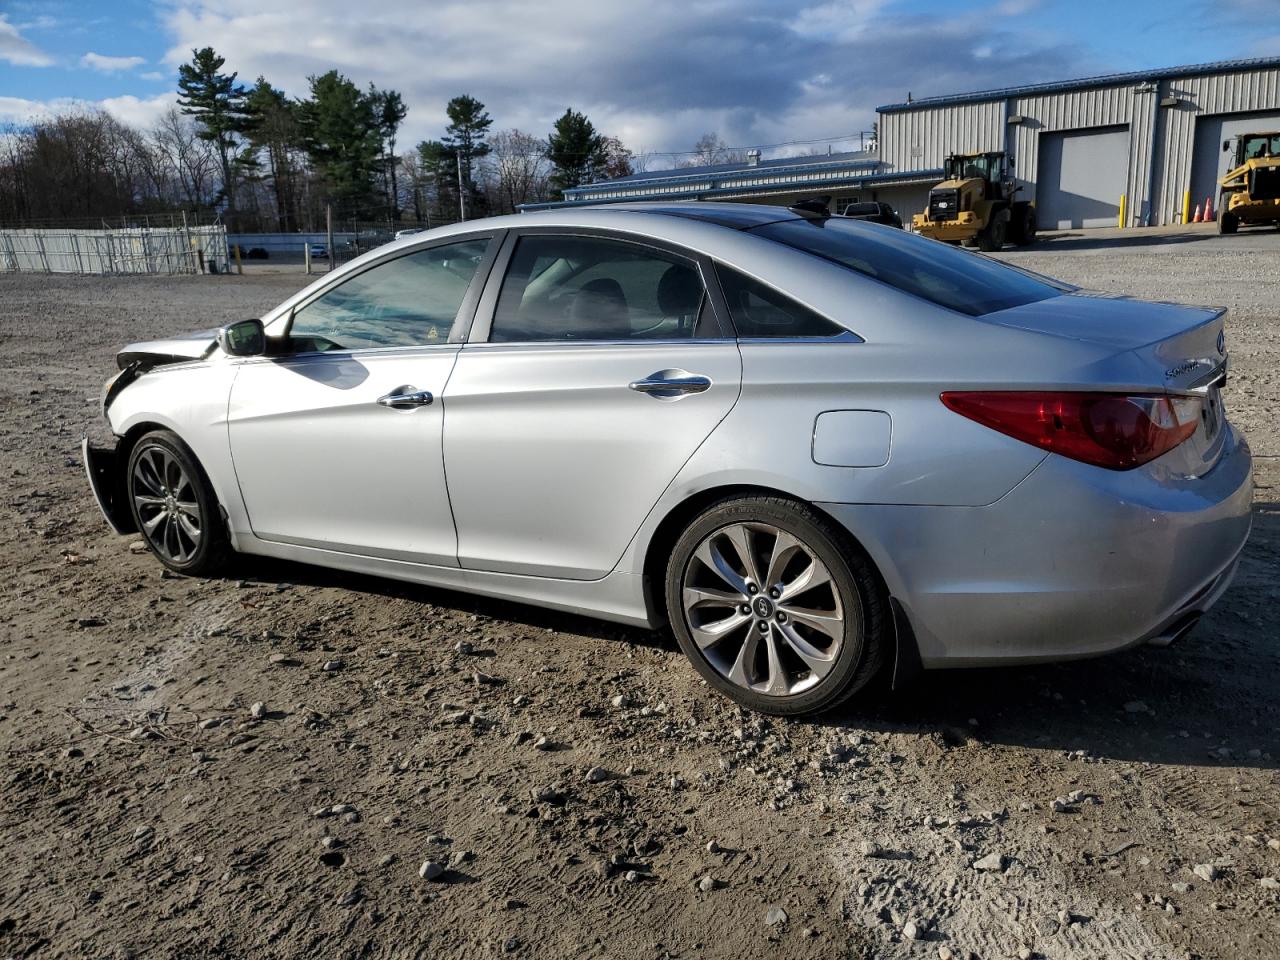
(1247, 92)
(921, 139)
(1072, 110)
(1161, 139)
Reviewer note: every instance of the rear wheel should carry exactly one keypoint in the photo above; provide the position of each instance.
(1227, 222)
(776, 606)
(1022, 225)
(174, 505)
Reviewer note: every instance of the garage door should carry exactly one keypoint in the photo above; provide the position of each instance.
(1209, 163)
(1080, 178)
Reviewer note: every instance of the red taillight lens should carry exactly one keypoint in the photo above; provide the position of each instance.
(1112, 430)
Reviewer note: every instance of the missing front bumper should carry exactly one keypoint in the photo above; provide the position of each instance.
(107, 484)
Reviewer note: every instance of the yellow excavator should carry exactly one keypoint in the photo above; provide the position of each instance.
(1251, 191)
(974, 204)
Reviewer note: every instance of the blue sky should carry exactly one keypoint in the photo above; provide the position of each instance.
(754, 71)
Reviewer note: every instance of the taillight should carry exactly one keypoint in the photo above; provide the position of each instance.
(1113, 430)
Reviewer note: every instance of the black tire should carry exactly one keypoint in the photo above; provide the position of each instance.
(169, 495)
(1228, 223)
(1022, 225)
(856, 658)
(992, 238)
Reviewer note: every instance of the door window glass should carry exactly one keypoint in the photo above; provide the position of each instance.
(591, 288)
(409, 301)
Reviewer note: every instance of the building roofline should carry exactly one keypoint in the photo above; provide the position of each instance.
(904, 178)
(1107, 80)
(696, 175)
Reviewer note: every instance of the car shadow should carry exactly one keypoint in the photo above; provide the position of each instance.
(1212, 691)
(270, 571)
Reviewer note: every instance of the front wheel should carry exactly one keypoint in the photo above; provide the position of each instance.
(776, 606)
(174, 505)
(1227, 222)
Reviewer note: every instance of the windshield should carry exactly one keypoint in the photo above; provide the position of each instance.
(969, 168)
(934, 271)
(1266, 145)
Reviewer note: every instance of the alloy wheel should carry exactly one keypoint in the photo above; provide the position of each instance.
(763, 609)
(168, 510)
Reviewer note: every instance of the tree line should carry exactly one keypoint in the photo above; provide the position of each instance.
(263, 161)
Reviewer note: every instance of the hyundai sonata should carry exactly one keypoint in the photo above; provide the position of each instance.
(822, 450)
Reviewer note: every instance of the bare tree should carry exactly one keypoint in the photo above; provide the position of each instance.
(518, 170)
(191, 162)
(710, 149)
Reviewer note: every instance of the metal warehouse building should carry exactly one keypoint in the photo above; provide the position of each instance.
(1152, 137)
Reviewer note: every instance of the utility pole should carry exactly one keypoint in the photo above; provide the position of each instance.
(328, 229)
(462, 207)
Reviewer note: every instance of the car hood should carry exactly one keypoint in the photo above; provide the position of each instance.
(175, 349)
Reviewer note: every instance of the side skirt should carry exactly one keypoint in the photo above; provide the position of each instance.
(618, 597)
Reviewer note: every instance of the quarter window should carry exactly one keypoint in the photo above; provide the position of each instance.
(592, 288)
(409, 301)
(760, 311)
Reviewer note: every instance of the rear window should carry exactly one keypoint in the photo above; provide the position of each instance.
(942, 274)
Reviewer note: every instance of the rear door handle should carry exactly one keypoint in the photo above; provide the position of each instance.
(671, 384)
(400, 400)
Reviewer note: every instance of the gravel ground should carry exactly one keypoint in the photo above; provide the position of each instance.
(298, 762)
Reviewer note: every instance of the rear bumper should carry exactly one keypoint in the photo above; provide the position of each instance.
(100, 463)
(1073, 562)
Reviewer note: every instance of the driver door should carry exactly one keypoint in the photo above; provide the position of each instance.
(337, 440)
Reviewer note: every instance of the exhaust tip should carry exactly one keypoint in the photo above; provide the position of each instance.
(1177, 631)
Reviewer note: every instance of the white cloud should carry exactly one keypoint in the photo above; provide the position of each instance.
(154, 75)
(754, 71)
(18, 50)
(137, 112)
(105, 64)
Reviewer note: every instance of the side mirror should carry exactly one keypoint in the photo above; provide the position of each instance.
(244, 338)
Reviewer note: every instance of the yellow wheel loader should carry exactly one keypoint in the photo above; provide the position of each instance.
(975, 204)
(1251, 191)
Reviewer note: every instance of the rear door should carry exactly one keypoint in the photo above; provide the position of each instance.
(597, 366)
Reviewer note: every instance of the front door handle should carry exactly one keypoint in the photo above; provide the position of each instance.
(406, 398)
(671, 384)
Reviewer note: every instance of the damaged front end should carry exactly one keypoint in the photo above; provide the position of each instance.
(104, 465)
(106, 480)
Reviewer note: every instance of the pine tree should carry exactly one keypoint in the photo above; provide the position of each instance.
(576, 151)
(464, 138)
(389, 108)
(218, 104)
(340, 133)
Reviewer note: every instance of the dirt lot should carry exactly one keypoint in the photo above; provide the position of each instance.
(148, 810)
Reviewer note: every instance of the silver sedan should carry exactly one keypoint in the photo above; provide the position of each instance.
(823, 450)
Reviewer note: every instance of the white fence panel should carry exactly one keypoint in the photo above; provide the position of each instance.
(130, 250)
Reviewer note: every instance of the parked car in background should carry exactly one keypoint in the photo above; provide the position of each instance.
(318, 251)
(818, 449)
(873, 211)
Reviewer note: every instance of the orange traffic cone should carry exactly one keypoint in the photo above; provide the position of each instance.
(1208, 209)
(1197, 218)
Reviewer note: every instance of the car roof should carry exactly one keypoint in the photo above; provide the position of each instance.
(738, 216)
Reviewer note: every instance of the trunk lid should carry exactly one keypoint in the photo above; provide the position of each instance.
(1177, 348)
(1158, 348)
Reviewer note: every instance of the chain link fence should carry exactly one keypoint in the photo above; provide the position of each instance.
(128, 250)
